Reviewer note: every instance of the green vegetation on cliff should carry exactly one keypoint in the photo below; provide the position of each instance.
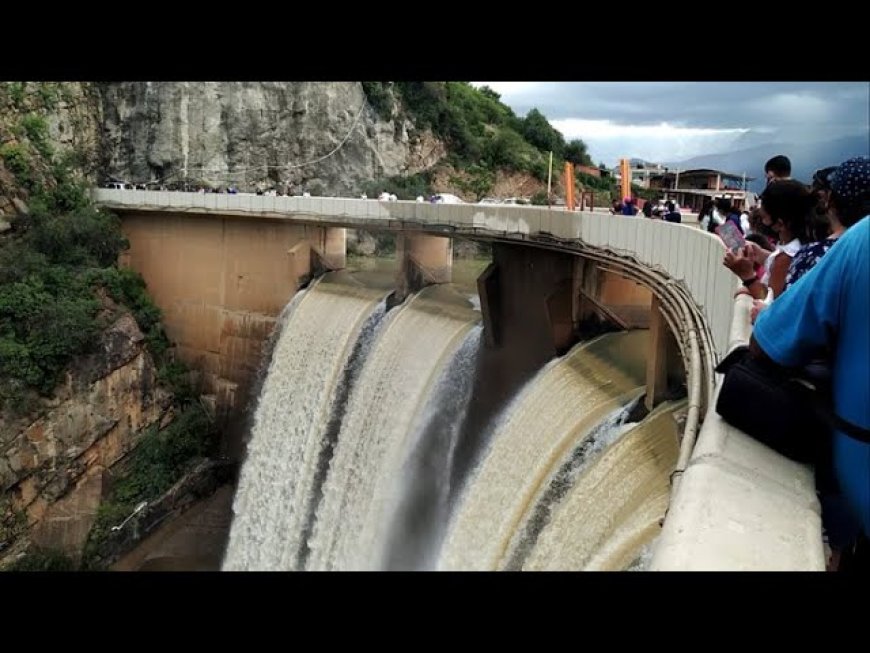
(482, 134)
(42, 560)
(50, 267)
(59, 257)
(160, 459)
(60, 286)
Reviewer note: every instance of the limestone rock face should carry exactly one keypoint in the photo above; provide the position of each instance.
(41, 122)
(320, 137)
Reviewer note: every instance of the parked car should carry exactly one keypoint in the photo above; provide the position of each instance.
(446, 198)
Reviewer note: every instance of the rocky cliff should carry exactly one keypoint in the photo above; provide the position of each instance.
(321, 137)
(52, 467)
(38, 123)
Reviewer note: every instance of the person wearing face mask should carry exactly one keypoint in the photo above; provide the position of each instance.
(787, 207)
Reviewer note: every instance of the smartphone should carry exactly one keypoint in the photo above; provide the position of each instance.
(731, 235)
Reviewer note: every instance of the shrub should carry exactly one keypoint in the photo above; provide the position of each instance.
(542, 135)
(45, 320)
(86, 237)
(403, 187)
(380, 98)
(540, 198)
(478, 182)
(18, 163)
(159, 461)
(42, 560)
(16, 92)
(36, 130)
(49, 93)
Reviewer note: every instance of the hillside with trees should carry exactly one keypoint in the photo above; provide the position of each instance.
(484, 137)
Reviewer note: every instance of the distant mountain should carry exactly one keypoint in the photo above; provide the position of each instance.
(806, 158)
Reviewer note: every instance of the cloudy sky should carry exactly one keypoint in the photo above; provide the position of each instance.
(671, 121)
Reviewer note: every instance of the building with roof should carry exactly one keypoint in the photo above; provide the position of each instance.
(691, 188)
(641, 172)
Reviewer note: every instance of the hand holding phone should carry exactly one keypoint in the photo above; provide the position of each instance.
(731, 235)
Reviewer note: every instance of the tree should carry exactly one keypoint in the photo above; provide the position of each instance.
(506, 150)
(576, 152)
(540, 133)
(478, 182)
(487, 91)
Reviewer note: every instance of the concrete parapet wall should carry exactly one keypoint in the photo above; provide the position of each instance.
(740, 505)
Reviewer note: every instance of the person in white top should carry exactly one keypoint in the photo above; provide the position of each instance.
(744, 222)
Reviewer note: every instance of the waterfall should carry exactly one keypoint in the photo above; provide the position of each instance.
(291, 421)
(557, 409)
(615, 505)
(363, 485)
(351, 372)
(602, 436)
(359, 420)
(417, 528)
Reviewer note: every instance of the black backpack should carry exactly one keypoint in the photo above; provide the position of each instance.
(788, 410)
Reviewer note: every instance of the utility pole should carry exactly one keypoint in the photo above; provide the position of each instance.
(550, 179)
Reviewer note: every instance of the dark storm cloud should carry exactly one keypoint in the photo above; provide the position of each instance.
(810, 108)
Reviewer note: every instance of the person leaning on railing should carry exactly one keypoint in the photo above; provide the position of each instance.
(828, 309)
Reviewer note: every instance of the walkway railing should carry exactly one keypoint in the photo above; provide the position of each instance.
(740, 505)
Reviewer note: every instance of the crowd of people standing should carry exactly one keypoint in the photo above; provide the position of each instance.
(805, 260)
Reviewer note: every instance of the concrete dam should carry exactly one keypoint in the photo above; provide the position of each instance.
(416, 425)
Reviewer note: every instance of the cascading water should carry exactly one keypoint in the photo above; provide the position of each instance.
(276, 485)
(614, 507)
(269, 349)
(359, 419)
(418, 523)
(601, 437)
(367, 337)
(556, 410)
(363, 486)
